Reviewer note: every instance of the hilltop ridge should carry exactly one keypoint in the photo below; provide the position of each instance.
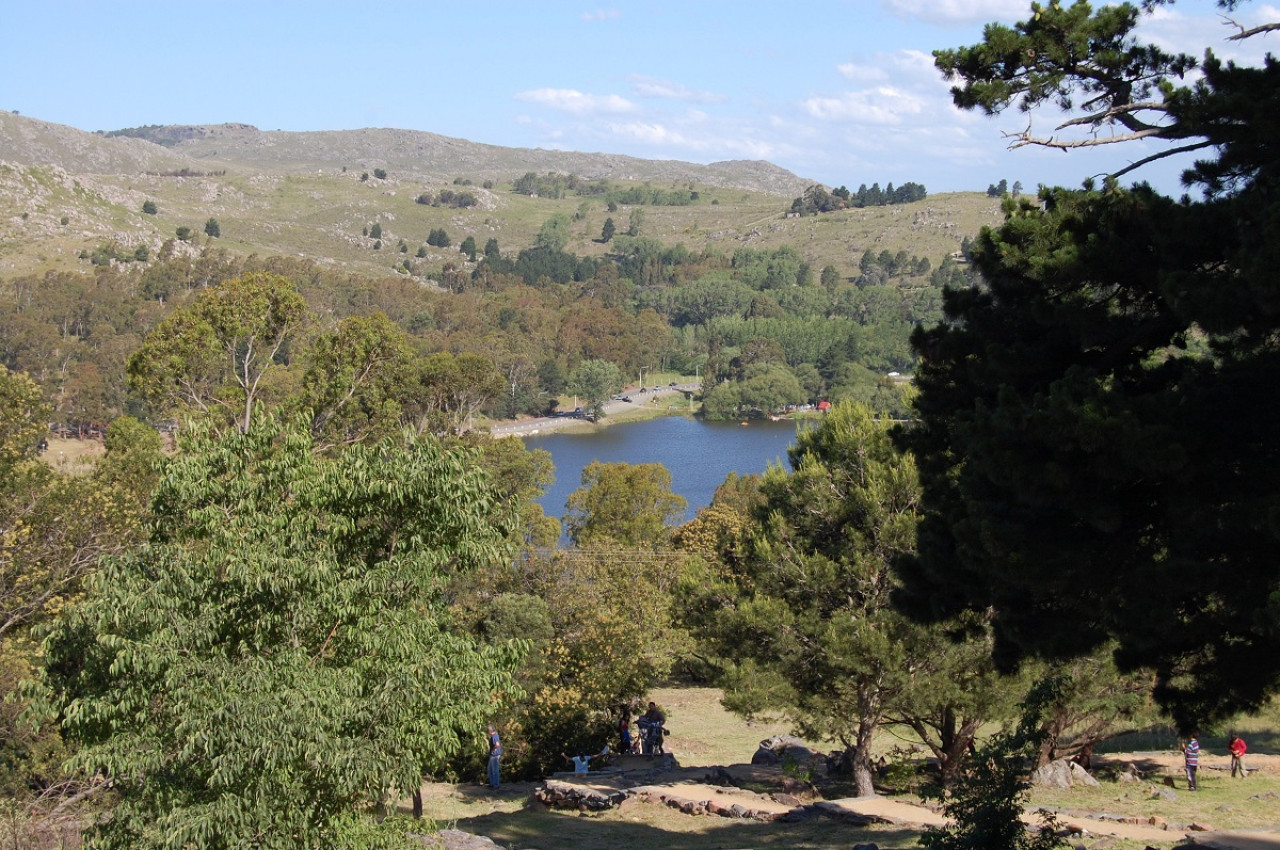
(164, 148)
(66, 194)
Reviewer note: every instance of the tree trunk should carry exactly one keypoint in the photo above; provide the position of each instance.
(417, 803)
(863, 775)
(953, 754)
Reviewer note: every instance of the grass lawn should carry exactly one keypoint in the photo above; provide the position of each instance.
(703, 734)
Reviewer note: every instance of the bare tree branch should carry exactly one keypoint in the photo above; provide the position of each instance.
(1024, 138)
(1247, 33)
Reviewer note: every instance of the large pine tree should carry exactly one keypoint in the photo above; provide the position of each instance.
(1098, 420)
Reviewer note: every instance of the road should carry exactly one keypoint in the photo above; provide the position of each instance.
(639, 400)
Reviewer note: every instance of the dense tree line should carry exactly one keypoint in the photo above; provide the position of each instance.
(643, 305)
(818, 199)
(552, 185)
(448, 198)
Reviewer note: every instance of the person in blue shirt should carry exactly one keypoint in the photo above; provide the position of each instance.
(495, 758)
(1191, 757)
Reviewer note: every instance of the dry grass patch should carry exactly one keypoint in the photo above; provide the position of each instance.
(73, 457)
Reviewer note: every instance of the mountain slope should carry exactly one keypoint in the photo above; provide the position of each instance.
(66, 194)
(27, 141)
(425, 154)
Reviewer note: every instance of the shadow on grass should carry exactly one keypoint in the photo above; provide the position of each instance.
(641, 828)
(1261, 739)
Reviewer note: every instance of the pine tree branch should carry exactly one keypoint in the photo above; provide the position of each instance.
(1161, 155)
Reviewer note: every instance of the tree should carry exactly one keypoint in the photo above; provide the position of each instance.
(211, 228)
(468, 247)
(594, 648)
(985, 806)
(635, 222)
(149, 208)
(623, 503)
(806, 619)
(380, 173)
(606, 232)
(451, 390)
(554, 234)
(1094, 417)
(183, 233)
(280, 654)
(53, 530)
(594, 381)
(375, 230)
(211, 357)
(356, 380)
(134, 453)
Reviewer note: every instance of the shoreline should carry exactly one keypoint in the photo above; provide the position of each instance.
(615, 412)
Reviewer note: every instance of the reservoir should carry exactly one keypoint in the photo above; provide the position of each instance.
(699, 455)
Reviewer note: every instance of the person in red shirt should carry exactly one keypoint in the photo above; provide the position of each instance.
(1237, 749)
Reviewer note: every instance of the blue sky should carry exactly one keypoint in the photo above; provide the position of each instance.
(840, 92)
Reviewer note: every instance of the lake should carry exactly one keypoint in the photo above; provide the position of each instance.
(699, 455)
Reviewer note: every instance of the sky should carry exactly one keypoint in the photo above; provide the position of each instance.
(842, 92)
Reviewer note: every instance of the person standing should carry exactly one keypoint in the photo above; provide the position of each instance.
(624, 731)
(1237, 748)
(581, 763)
(1191, 759)
(495, 757)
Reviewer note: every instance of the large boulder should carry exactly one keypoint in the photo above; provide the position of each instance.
(1055, 774)
(785, 750)
(1080, 776)
(1062, 773)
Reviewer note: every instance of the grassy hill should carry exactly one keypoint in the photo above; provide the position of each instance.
(64, 191)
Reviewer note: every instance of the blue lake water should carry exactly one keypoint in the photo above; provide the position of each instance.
(699, 455)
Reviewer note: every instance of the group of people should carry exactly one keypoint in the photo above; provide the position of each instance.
(647, 743)
(1191, 759)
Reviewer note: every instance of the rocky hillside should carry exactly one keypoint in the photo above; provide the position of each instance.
(27, 141)
(67, 195)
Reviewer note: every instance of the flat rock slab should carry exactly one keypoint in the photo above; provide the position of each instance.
(899, 813)
(882, 810)
(1239, 839)
(1116, 829)
(569, 795)
(698, 799)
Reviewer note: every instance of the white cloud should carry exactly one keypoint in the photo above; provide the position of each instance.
(719, 141)
(642, 86)
(648, 132)
(576, 102)
(862, 73)
(879, 105)
(601, 15)
(959, 12)
(904, 67)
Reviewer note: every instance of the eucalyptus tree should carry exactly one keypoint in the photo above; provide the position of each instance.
(211, 358)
